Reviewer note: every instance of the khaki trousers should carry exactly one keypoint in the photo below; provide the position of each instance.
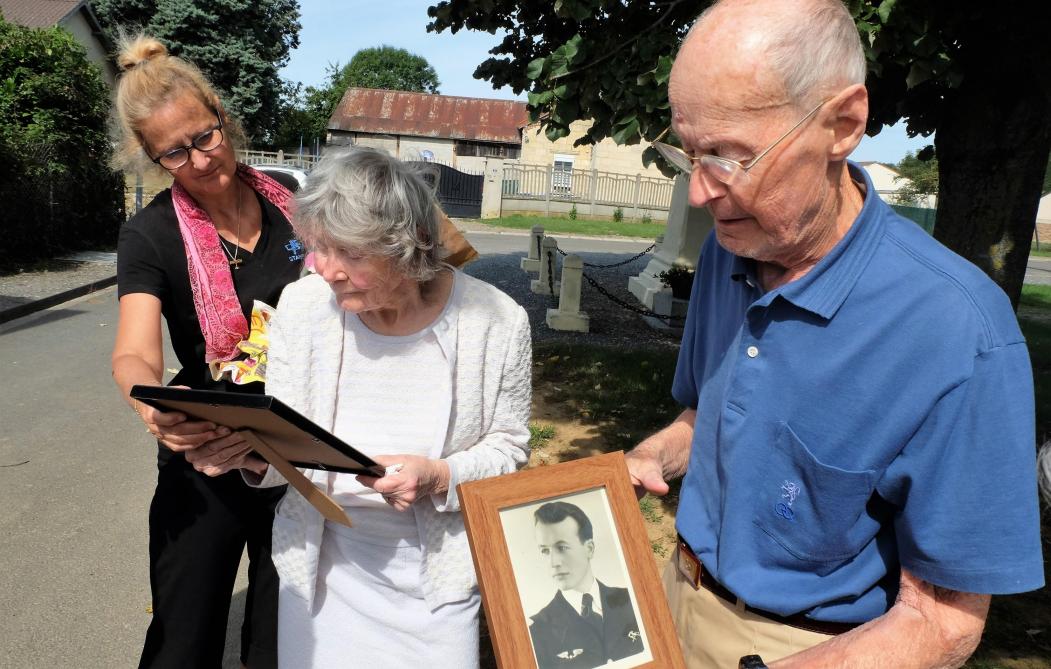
(714, 634)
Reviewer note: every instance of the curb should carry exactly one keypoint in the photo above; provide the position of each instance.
(53, 300)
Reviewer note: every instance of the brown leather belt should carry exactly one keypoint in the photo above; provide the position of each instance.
(695, 573)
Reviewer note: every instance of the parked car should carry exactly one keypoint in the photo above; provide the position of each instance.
(274, 170)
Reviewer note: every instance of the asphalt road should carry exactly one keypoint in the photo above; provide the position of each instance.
(76, 476)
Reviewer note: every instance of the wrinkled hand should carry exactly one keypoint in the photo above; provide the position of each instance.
(644, 468)
(225, 454)
(175, 430)
(417, 478)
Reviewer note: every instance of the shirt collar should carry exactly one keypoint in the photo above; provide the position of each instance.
(576, 598)
(825, 287)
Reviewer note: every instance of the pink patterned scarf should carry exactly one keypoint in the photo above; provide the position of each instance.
(218, 309)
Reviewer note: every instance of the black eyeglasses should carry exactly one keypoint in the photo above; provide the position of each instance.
(209, 140)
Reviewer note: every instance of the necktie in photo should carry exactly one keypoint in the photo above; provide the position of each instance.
(589, 615)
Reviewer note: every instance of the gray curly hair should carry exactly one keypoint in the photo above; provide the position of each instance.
(364, 199)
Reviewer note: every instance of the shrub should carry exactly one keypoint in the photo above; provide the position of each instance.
(679, 279)
(646, 218)
(618, 214)
(573, 212)
(56, 188)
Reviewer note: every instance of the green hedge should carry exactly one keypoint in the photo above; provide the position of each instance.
(57, 193)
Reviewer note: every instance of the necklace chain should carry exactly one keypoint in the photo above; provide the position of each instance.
(234, 261)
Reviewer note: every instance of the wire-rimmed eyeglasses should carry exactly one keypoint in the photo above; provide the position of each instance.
(724, 170)
(209, 140)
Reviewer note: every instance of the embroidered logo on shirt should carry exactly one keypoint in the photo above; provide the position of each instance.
(789, 491)
(295, 250)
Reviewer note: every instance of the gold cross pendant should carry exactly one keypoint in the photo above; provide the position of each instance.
(236, 262)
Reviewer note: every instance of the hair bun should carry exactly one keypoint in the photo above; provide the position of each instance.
(140, 50)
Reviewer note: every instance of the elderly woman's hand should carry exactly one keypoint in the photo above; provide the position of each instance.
(416, 478)
(226, 454)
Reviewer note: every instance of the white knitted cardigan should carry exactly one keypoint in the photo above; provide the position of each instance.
(485, 336)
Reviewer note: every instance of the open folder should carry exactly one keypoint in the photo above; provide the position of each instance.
(283, 437)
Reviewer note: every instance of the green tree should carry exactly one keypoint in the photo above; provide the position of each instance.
(974, 74)
(240, 45)
(918, 178)
(389, 68)
(384, 67)
(55, 189)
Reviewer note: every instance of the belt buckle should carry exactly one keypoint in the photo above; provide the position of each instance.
(688, 564)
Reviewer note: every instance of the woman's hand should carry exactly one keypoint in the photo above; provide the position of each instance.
(417, 478)
(226, 454)
(175, 430)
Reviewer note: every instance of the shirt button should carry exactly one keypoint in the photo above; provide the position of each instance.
(753, 352)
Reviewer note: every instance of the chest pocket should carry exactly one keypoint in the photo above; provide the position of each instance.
(812, 510)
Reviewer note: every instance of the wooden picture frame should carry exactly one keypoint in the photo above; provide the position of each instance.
(513, 539)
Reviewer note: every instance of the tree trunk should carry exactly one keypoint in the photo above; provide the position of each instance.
(992, 144)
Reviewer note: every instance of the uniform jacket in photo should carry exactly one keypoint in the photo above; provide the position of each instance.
(562, 638)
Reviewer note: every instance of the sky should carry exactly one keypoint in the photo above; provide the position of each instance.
(334, 30)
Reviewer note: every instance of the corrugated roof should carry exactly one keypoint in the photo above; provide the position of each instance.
(38, 13)
(425, 115)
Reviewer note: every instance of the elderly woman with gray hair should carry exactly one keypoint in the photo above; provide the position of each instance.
(415, 364)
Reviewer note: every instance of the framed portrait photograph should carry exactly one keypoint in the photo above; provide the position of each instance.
(567, 575)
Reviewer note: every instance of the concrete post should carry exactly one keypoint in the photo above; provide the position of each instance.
(547, 190)
(280, 156)
(638, 192)
(686, 231)
(594, 189)
(542, 284)
(531, 263)
(568, 316)
(493, 188)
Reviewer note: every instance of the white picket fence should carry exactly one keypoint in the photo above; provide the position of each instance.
(303, 161)
(632, 193)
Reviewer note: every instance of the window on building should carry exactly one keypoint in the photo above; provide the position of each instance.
(562, 174)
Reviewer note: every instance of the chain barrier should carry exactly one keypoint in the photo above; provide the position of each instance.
(616, 264)
(667, 319)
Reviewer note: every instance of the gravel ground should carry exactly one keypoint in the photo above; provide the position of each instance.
(611, 324)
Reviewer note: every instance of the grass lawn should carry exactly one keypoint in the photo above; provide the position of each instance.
(589, 400)
(580, 226)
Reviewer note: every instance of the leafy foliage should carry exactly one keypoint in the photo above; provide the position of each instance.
(239, 45)
(55, 188)
(919, 178)
(309, 109)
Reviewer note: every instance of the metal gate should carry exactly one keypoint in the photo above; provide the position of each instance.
(460, 193)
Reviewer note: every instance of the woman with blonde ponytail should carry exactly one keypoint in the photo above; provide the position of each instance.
(199, 256)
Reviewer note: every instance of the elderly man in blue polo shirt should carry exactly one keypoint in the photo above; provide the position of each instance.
(858, 446)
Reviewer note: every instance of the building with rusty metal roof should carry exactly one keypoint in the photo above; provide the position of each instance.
(73, 15)
(458, 131)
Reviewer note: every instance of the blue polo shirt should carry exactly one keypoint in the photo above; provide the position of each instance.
(873, 414)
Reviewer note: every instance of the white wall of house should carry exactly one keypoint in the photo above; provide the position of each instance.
(606, 156)
(77, 24)
(427, 148)
(411, 148)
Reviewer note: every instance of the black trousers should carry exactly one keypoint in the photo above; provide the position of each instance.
(199, 527)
